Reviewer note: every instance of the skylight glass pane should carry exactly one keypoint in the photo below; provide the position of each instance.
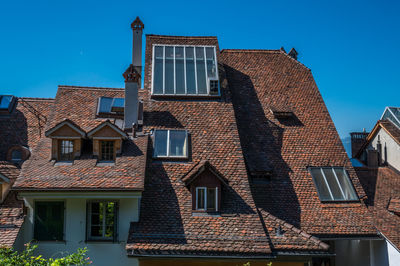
(333, 184)
(160, 145)
(177, 143)
(105, 104)
(320, 183)
(393, 114)
(118, 102)
(190, 73)
(345, 183)
(179, 71)
(201, 71)
(211, 64)
(169, 70)
(158, 70)
(5, 101)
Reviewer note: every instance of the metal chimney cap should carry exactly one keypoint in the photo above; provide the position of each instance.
(137, 24)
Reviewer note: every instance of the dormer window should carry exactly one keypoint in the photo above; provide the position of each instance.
(170, 144)
(107, 150)
(16, 156)
(185, 70)
(207, 199)
(66, 150)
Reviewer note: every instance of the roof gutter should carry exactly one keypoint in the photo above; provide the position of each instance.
(130, 254)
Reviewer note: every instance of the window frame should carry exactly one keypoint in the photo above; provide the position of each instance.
(115, 236)
(184, 67)
(63, 220)
(101, 150)
(168, 145)
(59, 156)
(326, 183)
(205, 209)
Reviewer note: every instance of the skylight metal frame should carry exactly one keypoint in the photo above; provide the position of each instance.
(388, 108)
(184, 69)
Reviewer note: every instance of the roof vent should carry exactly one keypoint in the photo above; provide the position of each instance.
(282, 112)
(293, 53)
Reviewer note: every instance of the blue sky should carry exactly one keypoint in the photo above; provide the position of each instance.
(352, 47)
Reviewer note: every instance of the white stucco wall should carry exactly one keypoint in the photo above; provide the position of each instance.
(392, 148)
(393, 254)
(101, 253)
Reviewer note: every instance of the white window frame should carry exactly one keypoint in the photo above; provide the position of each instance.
(205, 198)
(184, 67)
(89, 222)
(337, 181)
(168, 140)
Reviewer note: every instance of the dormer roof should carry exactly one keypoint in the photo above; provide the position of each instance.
(101, 131)
(66, 123)
(199, 168)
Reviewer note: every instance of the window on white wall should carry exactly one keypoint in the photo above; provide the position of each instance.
(102, 220)
(184, 70)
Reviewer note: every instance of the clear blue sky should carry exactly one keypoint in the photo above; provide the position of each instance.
(352, 47)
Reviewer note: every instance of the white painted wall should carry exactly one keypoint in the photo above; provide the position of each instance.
(104, 253)
(392, 148)
(393, 254)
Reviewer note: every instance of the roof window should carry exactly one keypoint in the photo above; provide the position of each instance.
(108, 105)
(7, 103)
(333, 184)
(185, 70)
(170, 144)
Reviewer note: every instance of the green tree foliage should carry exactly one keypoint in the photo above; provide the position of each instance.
(9, 257)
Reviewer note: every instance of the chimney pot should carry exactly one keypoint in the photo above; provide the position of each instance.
(293, 53)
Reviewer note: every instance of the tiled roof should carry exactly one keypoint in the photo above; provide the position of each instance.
(167, 225)
(9, 170)
(262, 79)
(25, 125)
(79, 104)
(383, 189)
(200, 167)
(11, 219)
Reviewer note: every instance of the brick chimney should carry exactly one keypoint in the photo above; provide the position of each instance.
(133, 79)
(357, 140)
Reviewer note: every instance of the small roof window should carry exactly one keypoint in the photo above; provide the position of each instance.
(7, 103)
(108, 105)
(333, 184)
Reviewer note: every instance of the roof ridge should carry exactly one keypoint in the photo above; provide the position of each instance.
(291, 227)
(72, 87)
(35, 99)
(297, 61)
(249, 50)
(181, 37)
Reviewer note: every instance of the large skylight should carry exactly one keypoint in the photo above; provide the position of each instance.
(7, 103)
(333, 184)
(184, 70)
(392, 114)
(109, 105)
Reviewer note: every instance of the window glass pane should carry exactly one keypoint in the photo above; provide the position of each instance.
(211, 199)
(107, 150)
(200, 198)
(105, 104)
(49, 221)
(179, 71)
(333, 184)
(118, 102)
(190, 74)
(201, 72)
(345, 183)
(322, 189)
(158, 70)
(169, 70)
(5, 101)
(16, 155)
(66, 150)
(160, 145)
(211, 66)
(177, 143)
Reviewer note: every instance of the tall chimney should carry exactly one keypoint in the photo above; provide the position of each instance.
(357, 141)
(137, 27)
(132, 77)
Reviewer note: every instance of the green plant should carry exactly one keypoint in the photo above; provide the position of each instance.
(9, 257)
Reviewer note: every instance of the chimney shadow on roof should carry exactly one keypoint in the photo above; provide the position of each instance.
(161, 119)
(131, 149)
(261, 141)
(14, 131)
(160, 217)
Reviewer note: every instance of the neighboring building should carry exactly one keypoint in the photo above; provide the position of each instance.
(378, 156)
(223, 157)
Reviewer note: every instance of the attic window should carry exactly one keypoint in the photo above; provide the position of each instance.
(281, 113)
(333, 184)
(108, 105)
(7, 103)
(170, 144)
(185, 70)
(206, 199)
(16, 155)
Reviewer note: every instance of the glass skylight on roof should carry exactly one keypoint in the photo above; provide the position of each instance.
(110, 105)
(392, 114)
(184, 70)
(5, 101)
(333, 184)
